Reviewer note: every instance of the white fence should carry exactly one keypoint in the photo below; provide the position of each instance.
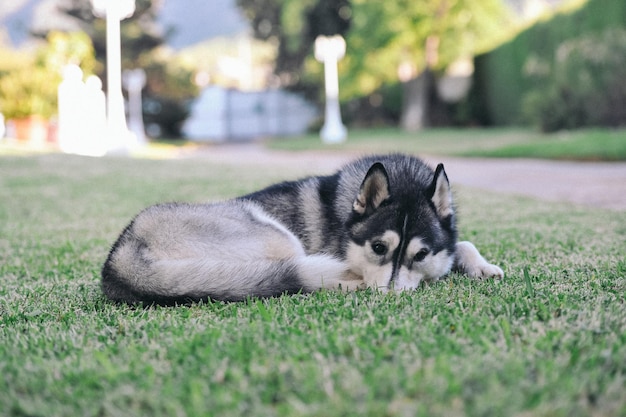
(220, 114)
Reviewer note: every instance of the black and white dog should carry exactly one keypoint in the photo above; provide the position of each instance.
(384, 222)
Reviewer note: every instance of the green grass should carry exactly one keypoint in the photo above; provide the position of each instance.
(604, 145)
(590, 144)
(548, 340)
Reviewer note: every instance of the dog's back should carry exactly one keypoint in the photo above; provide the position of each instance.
(225, 251)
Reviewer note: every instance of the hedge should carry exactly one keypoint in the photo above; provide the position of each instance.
(502, 79)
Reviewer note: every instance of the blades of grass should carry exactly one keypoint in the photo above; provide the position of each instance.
(263, 311)
(529, 285)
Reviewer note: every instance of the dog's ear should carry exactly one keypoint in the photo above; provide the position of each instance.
(440, 193)
(374, 190)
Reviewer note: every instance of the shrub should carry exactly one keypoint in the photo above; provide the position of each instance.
(582, 86)
(27, 91)
(29, 82)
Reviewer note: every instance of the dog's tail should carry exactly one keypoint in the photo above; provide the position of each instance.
(172, 281)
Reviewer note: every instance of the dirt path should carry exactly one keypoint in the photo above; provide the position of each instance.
(596, 184)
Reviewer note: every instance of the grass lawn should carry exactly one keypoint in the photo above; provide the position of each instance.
(586, 144)
(548, 340)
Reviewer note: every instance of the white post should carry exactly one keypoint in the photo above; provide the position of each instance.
(330, 50)
(134, 81)
(120, 138)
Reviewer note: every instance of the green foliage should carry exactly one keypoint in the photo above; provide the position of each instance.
(387, 39)
(11, 58)
(28, 91)
(549, 339)
(504, 75)
(380, 36)
(65, 48)
(385, 35)
(28, 85)
(583, 86)
(293, 25)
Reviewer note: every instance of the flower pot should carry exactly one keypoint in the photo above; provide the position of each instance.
(33, 129)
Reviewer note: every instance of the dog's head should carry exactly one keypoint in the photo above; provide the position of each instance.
(402, 228)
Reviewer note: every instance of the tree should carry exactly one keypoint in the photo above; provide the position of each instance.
(293, 26)
(414, 39)
(382, 37)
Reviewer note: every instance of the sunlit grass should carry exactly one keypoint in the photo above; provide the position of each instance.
(548, 340)
(429, 141)
(586, 144)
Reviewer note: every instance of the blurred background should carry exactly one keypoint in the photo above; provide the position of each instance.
(241, 69)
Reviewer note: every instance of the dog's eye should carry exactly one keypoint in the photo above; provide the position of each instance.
(419, 256)
(379, 248)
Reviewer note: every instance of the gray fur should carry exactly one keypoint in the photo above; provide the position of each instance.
(224, 251)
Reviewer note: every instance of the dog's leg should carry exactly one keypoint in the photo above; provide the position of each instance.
(351, 282)
(470, 262)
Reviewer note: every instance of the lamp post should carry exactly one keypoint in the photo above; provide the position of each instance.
(330, 50)
(114, 11)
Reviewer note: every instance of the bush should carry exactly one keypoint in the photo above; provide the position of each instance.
(29, 83)
(499, 79)
(582, 86)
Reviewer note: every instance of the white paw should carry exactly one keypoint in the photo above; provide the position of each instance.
(470, 262)
(484, 270)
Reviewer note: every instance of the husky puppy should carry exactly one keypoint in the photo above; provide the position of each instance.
(384, 222)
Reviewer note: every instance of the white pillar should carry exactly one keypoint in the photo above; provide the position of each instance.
(330, 50)
(119, 137)
(134, 81)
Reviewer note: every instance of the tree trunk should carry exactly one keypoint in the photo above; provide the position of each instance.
(416, 101)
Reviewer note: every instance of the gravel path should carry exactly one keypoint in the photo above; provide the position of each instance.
(596, 184)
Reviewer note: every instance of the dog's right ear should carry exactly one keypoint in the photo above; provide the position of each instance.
(440, 193)
(374, 190)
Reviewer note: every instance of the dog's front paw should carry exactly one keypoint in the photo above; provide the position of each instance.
(470, 262)
(484, 270)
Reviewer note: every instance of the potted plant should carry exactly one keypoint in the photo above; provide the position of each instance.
(28, 100)
(29, 84)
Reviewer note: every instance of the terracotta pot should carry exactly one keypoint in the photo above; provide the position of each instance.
(32, 129)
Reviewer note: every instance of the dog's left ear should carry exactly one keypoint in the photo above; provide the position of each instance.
(374, 190)
(440, 193)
